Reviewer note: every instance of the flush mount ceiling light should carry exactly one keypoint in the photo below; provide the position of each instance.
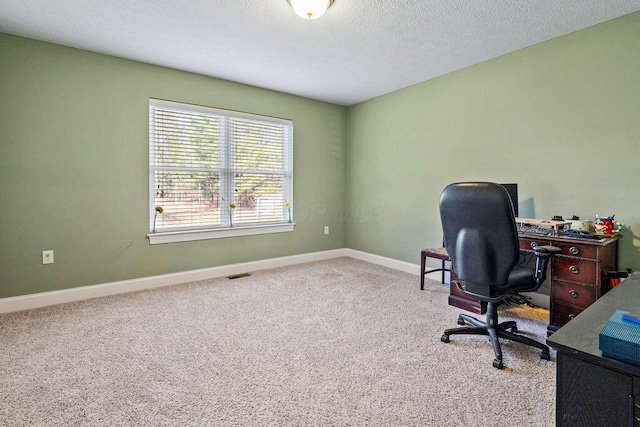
(310, 9)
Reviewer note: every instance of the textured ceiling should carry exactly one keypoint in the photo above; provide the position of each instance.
(358, 50)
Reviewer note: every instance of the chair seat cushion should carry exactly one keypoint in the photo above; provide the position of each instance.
(521, 279)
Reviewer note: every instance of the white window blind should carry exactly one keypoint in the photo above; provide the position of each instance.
(217, 169)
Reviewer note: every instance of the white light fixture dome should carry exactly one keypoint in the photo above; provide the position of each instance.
(310, 9)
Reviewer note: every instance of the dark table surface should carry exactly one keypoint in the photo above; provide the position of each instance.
(579, 337)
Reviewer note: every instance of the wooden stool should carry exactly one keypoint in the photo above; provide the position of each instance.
(437, 253)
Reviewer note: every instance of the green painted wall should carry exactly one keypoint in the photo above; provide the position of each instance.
(74, 169)
(561, 119)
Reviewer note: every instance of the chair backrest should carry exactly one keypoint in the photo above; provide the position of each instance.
(479, 232)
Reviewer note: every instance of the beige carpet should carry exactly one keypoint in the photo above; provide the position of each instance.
(338, 342)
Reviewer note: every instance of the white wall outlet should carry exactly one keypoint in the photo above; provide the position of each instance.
(47, 257)
(326, 229)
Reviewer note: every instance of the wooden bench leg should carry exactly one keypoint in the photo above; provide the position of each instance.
(422, 272)
(436, 253)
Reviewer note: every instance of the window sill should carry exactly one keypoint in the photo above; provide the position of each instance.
(187, 236)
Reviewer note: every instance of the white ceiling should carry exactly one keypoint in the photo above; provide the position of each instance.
(358, 50)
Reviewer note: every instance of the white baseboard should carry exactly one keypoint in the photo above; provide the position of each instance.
(407, 267)
(43, 299)
(384, 261)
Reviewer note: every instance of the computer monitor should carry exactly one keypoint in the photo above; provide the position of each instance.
(512, 189)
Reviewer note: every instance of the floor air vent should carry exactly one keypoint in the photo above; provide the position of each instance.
(237, 276)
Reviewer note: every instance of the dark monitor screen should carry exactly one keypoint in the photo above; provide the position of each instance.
(512, 189)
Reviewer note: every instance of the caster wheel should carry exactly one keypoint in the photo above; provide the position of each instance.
(498, 364)
(461, 322)
(545, 355)
(514, 330)
(444, 338)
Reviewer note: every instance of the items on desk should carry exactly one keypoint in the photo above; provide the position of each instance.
(583, 235)
(615, 277)
(533, 229)
(630, 317)
(620, 338)
(578, 224)
(541, 227)
(606, 226)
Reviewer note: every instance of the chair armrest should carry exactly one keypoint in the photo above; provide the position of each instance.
(542, 250)
(543, 255)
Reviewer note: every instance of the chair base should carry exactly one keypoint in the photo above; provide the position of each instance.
(494, 330)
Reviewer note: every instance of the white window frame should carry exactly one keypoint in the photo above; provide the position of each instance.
(227, 170)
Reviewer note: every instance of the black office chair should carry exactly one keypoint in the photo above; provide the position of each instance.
(482, 241)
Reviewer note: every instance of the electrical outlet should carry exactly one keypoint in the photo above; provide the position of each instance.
(326, 229)
(47, 257)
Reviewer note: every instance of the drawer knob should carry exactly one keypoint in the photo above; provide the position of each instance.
(534, 244)
(574, 269)
(571, 316)
(574, 250)
(573, 293)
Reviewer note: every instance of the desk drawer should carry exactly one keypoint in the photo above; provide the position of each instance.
(573, 294)
(576, 249)
(561, 314)
(567, 249)
(575, 269)
(527, 244)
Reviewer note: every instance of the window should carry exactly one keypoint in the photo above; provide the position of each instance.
(217, 173)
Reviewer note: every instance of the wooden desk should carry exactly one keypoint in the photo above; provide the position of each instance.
(577, 276)
(593, 390)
